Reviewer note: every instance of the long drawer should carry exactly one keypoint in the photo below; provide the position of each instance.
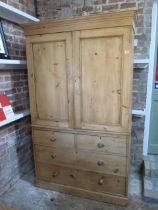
(81, 179)
(86, 160)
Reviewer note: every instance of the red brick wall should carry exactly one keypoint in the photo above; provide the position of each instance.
(14, 83)
(56, 9)
(14, 34)
(59, 9)
(23, 5)
(15, 138)
(15, 40)
(15, 153)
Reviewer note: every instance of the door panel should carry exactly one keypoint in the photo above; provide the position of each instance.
(98, 84)
(102, 66)
(52, 79)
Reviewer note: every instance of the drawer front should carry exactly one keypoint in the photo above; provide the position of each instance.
(86, 160)
(81, 179)
(102, 163)
(54, 155)
(107, 144)
(55, 139)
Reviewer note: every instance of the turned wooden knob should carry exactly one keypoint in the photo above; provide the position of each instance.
(53, 156)
(116, 170)
(100, 162)
(101, 181)
(100, 145)
(72, 176)
(55, 174)
(52, 139)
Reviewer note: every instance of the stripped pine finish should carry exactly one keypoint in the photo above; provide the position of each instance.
(80, 79)
(81, 159)
(83, 179)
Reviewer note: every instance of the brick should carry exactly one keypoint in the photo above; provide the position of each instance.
(7, 78)
(97, 8)
(149, 4)
(140, 5)
(96, 2)
(110, 7)
(116, 1)
(87, 8)
(26, 6)
(127, 5)
(140, 20)
(1, 78)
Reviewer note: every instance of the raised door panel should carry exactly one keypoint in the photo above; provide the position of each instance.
(102, 65)
(50, 79)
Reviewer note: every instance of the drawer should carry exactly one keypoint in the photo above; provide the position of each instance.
(55, 139)
(81, 179)
(111, 164)
(54, 155)
(107, 144)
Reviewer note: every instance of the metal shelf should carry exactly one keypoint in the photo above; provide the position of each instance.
(15, 15)
(138, 113)
(140, 63)
(12, 64)
(17, 116)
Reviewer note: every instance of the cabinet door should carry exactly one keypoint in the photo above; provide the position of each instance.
(102, 65)
(50, 79)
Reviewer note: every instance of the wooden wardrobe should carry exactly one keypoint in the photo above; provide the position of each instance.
(80, 78)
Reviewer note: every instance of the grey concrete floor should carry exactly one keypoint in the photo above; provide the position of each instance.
(25, 196)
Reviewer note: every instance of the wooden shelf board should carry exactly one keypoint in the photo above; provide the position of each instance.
(17, 116)
(12, 64)
(15, 15)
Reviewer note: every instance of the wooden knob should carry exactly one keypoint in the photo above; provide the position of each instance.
(116, 170)
(101, 181)
(53, 156)
(52, 139)
(55, 174)
(72, 176)
(100, 162)
(100, 145)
